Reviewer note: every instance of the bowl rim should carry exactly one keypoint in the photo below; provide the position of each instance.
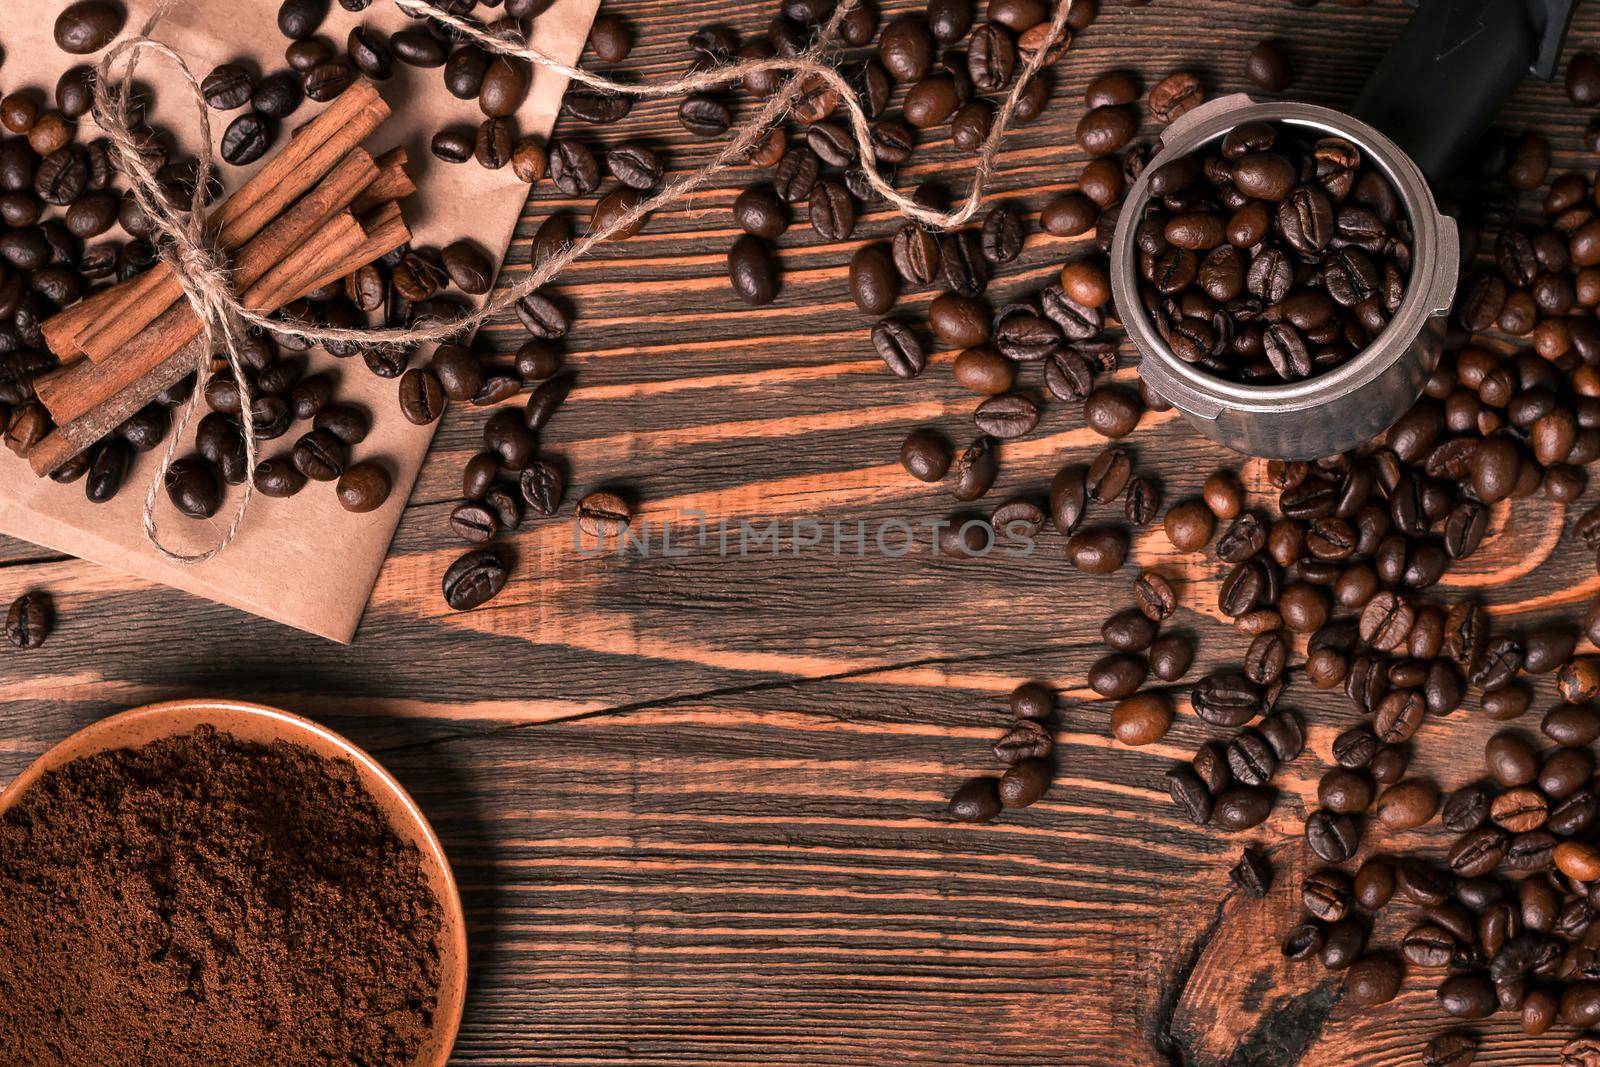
(184, 716)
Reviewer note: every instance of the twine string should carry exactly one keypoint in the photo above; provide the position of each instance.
(199, 270)
(185, 246)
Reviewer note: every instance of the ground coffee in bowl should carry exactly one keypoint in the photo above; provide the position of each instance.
(204, 899)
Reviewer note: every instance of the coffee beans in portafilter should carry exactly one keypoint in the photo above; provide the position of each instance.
(1272, 258)
(1025, 750)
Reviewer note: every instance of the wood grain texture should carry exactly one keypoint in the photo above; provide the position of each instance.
(696, 802)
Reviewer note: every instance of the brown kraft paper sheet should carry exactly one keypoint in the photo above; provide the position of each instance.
(304, 561)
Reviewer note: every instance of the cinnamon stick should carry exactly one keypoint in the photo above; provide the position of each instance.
(75, 391)
(338, 249)
(385, 231)
(86, 385)
(68, 439)
(310, 156)
(110, 337)
(392, 183)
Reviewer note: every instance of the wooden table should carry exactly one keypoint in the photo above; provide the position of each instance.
(696, 802)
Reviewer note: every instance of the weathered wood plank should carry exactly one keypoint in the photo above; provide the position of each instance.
(735, 853)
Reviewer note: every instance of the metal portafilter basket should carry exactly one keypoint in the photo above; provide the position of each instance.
(1425, 108)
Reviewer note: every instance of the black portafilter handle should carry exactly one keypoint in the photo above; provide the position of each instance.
(1444, 80)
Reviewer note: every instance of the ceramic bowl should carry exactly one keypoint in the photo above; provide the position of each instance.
(255, 722)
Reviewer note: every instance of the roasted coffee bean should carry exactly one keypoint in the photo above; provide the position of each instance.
(1407, 804)
(1252, 874)
(1546, 648)
(146, 428)
(464, 70)
(978, 800)
(795, 175)
(1170, 656)
(1142, 719)
(1342, 944)
(541, 316)
(1175, 95)
(1142, 501)
(1112, 411)
(1155, 597)
(247, 139)
(542, 487)
(1007, 416)
(474, 579)
(1373, 979)
(1344, 790)
(1032, 700)
(1332, 836)
(1002, 236)
(1190, 794)
(1386, 621)
(1467, 996)
(610, 38)
(1267, 66)
(493, 144)
(278, 477)
(704, 116)
(346, 423)
(227, 87)
(422, 398)
(635, 166)
(29, 620)
(454, 145)
(873, 281)
(1099, 550)
(468, 267)
(899, 348)
(573, 167)
(603, 515)
(1210, 764)
(1069, 215)
(505, 86)
(760, 212)
(1227, 699)
(975, 470)
(89, 25)
(1251, 759)
(753, 271)
(1327, 894)
(1302, 942)
(966, 270)
(916, 254)
(832, 211)
(1501, 659)
(363, 487)
(1242, 807)
(1355, 747)
(545, 399)
(905, 48)
(320, 456)
(1128, 631)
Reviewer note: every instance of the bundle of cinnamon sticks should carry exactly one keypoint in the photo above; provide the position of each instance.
(318, 211)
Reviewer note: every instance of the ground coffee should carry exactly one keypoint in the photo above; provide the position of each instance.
(206, 900)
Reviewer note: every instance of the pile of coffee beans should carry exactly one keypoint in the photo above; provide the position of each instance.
(1273, 257)
(29, 620)
(56, 195)
(1025, 750)
(45, 266)
(1346, 561)
(318, 69)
